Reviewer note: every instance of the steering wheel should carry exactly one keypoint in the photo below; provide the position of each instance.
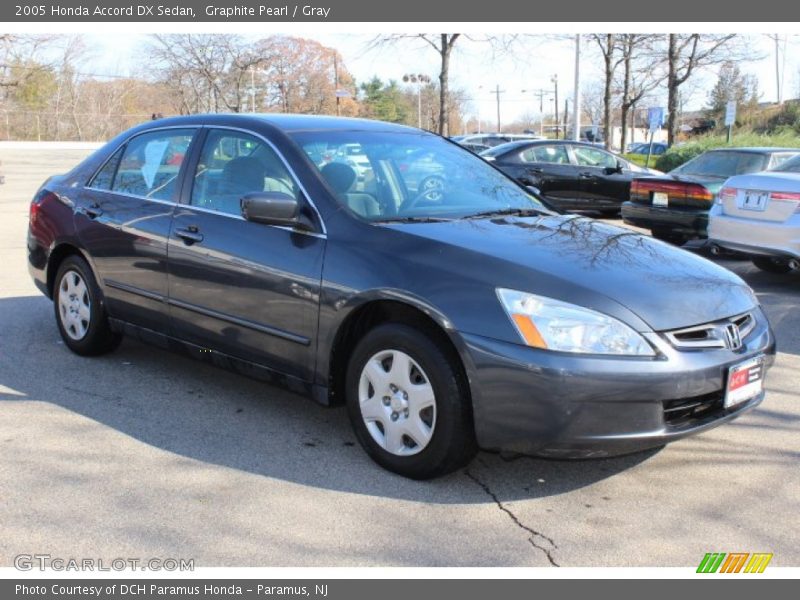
(432, 196)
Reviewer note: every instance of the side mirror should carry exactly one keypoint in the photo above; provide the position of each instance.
(617, 169)
(274, 208)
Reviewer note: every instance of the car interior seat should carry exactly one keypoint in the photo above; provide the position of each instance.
(341, 178)
(239, 176)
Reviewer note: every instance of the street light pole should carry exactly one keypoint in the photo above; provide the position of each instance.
(418, 80)
(576, 99)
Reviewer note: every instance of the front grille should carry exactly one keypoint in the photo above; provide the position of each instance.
(711, 335)
(678, 413)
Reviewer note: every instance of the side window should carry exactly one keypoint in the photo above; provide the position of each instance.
(592, 157)
(233, 164)
(546, 154)
(151, 162)
(104, 178)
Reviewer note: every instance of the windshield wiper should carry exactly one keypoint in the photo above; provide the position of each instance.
(501, 212)
(410, 219)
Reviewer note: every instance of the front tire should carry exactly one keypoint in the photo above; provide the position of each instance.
(80, 311)
(772, 265)
(409, 404)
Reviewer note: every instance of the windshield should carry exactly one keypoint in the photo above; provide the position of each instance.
(790, 166)
(410, 176)
(724, 164)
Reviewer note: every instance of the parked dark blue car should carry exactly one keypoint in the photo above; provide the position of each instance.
(446, 319)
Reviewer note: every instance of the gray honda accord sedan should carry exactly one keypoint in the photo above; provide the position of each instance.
(468, 316)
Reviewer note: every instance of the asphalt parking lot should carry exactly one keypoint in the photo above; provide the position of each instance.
(142, 453)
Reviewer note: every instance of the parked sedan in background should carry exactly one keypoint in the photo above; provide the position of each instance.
(570, 175)
(759, 215)
(478, 318)
(642, 148)
(674, 207)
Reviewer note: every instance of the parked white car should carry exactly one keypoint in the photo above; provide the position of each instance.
(759, 215)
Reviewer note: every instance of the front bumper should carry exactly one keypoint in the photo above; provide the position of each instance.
(690, 222)
(560, 405)
(761, 238)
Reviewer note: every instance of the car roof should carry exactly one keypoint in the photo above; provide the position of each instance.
(288, 122)
(756, 149)
(530, 143)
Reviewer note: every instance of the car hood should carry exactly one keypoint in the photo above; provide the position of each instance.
(615, 270)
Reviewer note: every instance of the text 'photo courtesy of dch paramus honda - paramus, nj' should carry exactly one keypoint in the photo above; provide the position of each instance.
(470, 314)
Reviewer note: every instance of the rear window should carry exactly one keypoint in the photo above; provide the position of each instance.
(778, 160)
(790, 166)
(724, 164)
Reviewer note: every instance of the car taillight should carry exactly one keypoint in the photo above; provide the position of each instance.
(695, 191)
(791, 196)
(644, 188)
(36, 204)
(726, 193)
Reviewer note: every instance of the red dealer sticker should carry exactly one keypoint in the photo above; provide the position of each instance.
(745, 381)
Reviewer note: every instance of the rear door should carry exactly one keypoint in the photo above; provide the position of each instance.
(247, 289)
(123, 218)
(548, 167)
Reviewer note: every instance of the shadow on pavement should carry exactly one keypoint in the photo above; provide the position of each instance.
(207, 414)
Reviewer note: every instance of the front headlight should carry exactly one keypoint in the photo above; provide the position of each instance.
(554, 325)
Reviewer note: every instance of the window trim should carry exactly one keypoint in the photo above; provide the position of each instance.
(123, 146)
(289, 169)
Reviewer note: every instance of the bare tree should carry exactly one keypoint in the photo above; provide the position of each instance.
(686, 53)
(608, 45)
(207, 72)
(443, 43)
(640, 74)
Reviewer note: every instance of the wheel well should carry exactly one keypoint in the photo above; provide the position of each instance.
(369, 316)
(54, 261)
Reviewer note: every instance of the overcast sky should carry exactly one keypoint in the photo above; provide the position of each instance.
(475, 69)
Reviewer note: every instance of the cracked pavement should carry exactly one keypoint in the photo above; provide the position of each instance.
(142, 453)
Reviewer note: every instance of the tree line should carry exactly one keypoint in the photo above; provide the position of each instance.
(47, 91)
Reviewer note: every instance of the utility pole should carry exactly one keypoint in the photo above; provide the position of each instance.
(497, 91)
(540, 94)
(252, 89)
(336, 82)
(576, 99)
(554, 79)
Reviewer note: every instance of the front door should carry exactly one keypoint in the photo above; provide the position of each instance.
(246, 289)
(603, 186)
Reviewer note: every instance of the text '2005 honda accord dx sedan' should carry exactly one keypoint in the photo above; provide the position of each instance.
(469, 317)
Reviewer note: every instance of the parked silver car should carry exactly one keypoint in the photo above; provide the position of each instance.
(759, 214)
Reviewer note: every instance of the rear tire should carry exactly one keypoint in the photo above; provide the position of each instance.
(80, 311)
(409, 403)
(772, 265)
